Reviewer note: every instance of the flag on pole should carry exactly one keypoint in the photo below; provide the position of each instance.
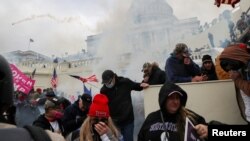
(92, 78)
(54, 80)
(31, 40)
(33, 74)
(86, 90)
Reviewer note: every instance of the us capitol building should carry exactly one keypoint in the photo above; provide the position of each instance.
(151, 23)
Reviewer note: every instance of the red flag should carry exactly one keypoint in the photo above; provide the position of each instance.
(54, 80)
(92, 78)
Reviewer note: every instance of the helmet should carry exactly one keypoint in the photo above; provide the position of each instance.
(6, 84)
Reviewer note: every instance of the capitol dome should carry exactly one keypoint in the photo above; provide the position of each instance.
(151, 10)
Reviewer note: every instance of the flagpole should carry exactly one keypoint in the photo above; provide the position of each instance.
(29, 46)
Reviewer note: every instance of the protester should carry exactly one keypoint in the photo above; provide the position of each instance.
(75, 114)
(180, 67)
(52, 118)
(118, 90)
(168, 123)
(235, 59)
(208, 68)
(153, 75)
(99, 126)
(8, 131)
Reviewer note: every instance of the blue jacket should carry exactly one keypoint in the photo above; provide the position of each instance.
(177, 72)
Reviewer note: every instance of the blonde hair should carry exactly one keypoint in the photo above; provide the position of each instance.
(86, 130)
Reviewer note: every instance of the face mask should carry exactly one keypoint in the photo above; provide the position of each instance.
(110, 85)
(58, 115)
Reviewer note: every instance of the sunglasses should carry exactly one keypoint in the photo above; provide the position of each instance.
(98, 119)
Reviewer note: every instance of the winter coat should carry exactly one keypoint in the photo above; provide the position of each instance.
(120, 101)
(73, 117)
(157, 76)
(42, 122)
(211, 74)
(221, 74)
(236, 53)
(178, 72)
(154, 128)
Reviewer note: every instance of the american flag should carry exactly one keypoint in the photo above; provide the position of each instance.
(91, 78)
(231, 2)
(54, 80)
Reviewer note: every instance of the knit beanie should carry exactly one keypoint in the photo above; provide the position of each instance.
(206, 58)
(99, 106)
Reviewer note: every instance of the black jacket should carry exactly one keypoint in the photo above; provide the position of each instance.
(157, 76)
(120, 101)
(73, 117)
(211, 74)
(152, 128)
(42, 122)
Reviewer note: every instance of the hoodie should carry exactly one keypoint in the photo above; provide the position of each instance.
(155, 129)
(235, 53)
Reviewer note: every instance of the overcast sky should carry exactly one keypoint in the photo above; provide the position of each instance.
(59, 26)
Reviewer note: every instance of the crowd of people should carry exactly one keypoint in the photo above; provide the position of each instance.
(109, 115)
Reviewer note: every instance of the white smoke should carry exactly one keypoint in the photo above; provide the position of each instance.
(72, 19)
